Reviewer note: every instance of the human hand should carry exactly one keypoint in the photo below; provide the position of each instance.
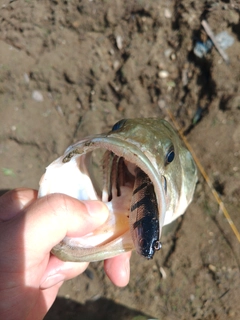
(30, 276)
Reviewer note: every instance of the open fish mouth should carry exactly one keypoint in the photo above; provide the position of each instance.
(148, 180)
(131, 187)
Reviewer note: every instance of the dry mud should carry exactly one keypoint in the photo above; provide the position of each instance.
(73, 68)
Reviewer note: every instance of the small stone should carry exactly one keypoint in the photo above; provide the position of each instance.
(163, 74)
(173, 56)
(119, 42)
(116, 64)
(212, 268)
(79, 105)
(192, 297)
(26, 77)
(59, 110)
(167, 14)
(111, 52)
(76, 24)
(37, 96)
(168, 52)
(161, 104)
(163, 273)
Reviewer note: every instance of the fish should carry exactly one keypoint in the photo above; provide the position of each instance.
(148, 178)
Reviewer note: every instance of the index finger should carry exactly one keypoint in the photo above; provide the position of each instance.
(13, 201)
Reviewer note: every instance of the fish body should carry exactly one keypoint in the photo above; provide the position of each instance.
(148, 181)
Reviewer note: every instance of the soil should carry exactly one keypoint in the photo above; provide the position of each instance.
(73, 68)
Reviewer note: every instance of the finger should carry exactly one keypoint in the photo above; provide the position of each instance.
(49, 219)
(58, 271)
(14, 201)
(118, 269)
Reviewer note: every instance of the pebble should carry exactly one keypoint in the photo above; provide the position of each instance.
(111, 52)
(212, 268)
(192, 297)
(163, 74)
(37, 96)
(116, 65)
(163, 273)
(168, 53)
(59, 110)
(173, 56)
(119, 42)
(167, 13)
(26, 77)
(162, 104)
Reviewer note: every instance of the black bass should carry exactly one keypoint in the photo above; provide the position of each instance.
(148, 180)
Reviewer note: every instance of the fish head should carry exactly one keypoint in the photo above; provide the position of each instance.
(172, 161)
(149, 146)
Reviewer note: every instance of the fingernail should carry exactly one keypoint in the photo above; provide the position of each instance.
(23, 197)
(52, 280)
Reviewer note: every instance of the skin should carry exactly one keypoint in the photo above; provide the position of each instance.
(30, 276)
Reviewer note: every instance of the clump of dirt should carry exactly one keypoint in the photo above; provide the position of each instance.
(73, 68)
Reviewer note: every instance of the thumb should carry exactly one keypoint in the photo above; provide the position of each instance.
(56, 216)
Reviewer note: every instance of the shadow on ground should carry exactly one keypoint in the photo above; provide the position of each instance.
(101, 309)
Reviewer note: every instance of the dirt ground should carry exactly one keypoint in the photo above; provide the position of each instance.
(73, 68)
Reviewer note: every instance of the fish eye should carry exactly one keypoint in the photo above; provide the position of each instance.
(118, 125)
(170, 156)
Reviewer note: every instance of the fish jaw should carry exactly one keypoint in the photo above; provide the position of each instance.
(69, 174)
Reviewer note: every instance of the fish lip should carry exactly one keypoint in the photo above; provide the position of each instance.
(130, 152)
